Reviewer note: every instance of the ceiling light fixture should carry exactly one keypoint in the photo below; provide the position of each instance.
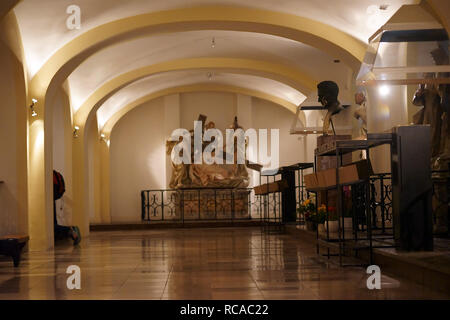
(384, 90)
(33, 112)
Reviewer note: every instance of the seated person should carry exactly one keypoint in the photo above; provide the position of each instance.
(62, 232)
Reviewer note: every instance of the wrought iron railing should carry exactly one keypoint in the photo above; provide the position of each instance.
(241, 204)
(441, 198)
(272, 208)
(381, 201)
(201, 204)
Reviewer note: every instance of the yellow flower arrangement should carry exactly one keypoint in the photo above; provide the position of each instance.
(307, 208)
(322, 209)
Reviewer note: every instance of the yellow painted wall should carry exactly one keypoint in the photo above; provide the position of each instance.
(93, 163)
(267, 115)
(13, 130)
(62, 152)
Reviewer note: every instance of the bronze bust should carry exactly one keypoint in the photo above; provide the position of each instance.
(328, 92)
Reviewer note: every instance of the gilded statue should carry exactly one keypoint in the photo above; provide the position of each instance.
(204, 175)
(435, 113)
(435, 102)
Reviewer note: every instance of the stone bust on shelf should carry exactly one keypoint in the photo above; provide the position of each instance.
(328, 92)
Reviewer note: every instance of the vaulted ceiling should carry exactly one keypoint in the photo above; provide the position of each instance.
(127, 50)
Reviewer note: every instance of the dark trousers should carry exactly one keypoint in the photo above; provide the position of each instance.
(61, 232)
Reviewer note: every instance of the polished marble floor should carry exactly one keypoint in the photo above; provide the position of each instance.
(225, 263)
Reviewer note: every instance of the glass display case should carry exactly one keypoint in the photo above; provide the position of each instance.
(403, 57)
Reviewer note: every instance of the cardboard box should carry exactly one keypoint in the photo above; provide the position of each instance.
(329, 196)
(329, 162)
(326, 178)
(360, 170)
(278, 186)
(329, 138)
(311, 181)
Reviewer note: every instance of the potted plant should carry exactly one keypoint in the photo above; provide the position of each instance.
(308, 209)
(320, 218)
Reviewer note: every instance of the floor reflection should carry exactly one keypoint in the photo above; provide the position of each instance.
(226, 263)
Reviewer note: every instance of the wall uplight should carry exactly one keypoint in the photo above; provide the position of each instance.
(103, 137)
(75, 131)
(33, 112)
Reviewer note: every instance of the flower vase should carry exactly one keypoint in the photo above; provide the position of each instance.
(332, 226)
(321, 228)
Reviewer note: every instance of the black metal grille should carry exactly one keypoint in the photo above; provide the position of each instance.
(199, 204)
(381, 200)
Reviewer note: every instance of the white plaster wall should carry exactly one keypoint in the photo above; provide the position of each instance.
(267, 115)
(385, 111)
(137, 152)
(218, 107)
(137, 149)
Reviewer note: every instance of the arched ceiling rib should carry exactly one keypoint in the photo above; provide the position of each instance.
(299, 33)
(109, 125)
(140, 52)
(164, 81)
(6, 6)
(319, 35)
(277, 72)
(46, 32)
